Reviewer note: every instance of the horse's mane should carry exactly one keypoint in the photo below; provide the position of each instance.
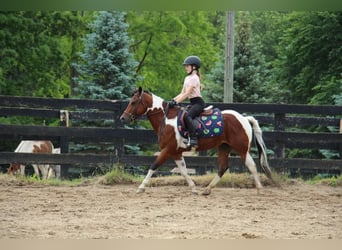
(146, 91)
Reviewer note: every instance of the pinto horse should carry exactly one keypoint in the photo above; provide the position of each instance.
(237, 136)
(35, 147)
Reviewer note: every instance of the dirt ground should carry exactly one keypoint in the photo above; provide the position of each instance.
(298, 211)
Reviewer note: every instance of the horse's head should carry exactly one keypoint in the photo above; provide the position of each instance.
(137, 106)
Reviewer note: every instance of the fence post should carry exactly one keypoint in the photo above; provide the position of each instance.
(341, 142)
(279, 125)
(63, 140)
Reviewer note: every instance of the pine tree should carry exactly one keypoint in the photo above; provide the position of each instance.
(247, 64)
(250, 68)
(107, 67)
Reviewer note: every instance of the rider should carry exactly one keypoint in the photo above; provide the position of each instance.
(192, 90)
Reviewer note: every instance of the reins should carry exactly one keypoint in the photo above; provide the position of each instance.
(132, 115)
(148, 112)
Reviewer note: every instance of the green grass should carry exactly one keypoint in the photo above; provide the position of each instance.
(34, 180)
(118, 176)
(331, 181)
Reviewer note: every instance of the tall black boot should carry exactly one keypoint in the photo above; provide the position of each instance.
(192, 137)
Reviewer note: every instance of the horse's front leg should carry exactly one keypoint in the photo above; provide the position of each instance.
(162, 157)
(182, 167)
(22, 170)
(36, 170)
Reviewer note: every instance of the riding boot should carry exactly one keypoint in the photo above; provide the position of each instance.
(192, 137)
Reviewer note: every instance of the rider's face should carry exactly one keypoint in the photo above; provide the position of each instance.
(188, 68)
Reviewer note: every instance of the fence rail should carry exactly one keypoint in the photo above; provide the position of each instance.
(285, 127)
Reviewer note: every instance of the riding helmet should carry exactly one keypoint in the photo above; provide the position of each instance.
(192, 60)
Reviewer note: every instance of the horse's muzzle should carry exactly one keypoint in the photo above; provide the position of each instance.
(124, 118)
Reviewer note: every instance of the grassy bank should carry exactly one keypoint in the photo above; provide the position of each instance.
(118, 176)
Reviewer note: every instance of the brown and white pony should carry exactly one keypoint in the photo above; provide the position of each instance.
(36, 147)
(237, 136)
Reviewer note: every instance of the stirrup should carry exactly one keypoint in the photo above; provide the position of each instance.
(192, 142)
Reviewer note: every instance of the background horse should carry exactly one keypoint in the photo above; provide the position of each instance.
(35, 147)
(237, 136)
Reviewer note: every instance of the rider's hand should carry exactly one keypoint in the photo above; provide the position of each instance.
(172, 103)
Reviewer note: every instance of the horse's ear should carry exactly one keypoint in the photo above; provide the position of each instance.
(140, 90)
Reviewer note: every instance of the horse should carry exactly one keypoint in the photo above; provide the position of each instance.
(237, 135)
(35, 147)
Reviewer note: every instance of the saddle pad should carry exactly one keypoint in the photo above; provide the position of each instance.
(207, 125)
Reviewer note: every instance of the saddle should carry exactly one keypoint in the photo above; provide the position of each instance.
(209, 123)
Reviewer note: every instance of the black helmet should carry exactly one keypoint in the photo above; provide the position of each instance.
(192, 60)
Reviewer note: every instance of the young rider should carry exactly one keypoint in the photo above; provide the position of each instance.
(191, 90)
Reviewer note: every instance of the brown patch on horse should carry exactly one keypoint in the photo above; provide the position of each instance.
(14, 167)
(172, 113)
(236, 135)
(46, 147)
(36, 149)
(43, 148)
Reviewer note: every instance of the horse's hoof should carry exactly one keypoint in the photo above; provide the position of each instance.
(140, 190)
(195, 192)
(206, 192)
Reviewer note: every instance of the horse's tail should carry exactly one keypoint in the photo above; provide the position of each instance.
(261, 147)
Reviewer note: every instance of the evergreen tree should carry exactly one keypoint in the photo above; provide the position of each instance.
(107, 67)
(250, 68)
(249, 73)
(32, 58)
(310, 57)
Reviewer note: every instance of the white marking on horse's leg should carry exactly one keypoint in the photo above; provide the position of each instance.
(182, 167)
(35, 167)
(211, 185)
(22, 170)
(252, 168)
(44, 169)
(145, 181)
(51, 173)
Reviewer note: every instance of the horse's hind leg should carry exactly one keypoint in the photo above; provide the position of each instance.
(182, 167)
(223, 154)
(249, 162)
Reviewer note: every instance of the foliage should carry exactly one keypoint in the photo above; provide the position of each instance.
(290, 57)
(35, 51)
(163, 39)
(334, 181)
(106, 70)
(251, 70)
(310, 57)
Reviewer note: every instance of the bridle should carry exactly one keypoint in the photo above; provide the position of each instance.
(133, 115)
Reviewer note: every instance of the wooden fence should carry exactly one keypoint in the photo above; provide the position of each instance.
(285, 127)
